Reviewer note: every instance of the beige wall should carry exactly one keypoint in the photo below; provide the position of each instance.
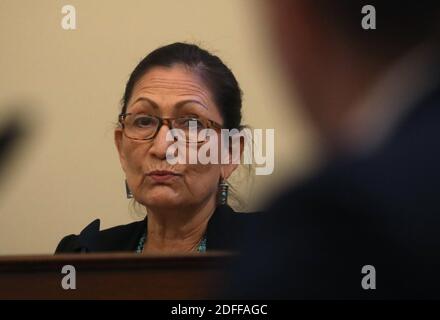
(70, 83)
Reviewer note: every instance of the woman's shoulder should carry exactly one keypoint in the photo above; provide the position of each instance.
(91, 239)
(227, 227)
(227, 214)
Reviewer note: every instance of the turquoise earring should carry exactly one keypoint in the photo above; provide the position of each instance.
(128, 191)
(223, 187)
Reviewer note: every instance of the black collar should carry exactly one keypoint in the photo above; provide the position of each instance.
(223, 233)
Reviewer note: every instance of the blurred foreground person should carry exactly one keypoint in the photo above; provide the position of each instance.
(367, 225)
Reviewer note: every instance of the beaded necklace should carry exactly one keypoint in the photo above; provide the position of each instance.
(140, 247)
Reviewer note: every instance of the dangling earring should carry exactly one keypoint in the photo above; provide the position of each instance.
(223, 187)
(128, 191)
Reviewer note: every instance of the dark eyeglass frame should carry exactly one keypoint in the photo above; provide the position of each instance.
(208, 123)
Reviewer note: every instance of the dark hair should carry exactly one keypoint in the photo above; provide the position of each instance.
(219, 78)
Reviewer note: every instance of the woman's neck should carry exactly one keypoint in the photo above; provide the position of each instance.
(177, 230)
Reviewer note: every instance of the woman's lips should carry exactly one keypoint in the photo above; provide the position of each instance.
(163, 176)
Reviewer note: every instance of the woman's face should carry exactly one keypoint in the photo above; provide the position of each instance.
(169, 93)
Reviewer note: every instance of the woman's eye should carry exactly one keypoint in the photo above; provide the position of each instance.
(142, 122)
(192, 123)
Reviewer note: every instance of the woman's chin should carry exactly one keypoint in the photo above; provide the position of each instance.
(162, 201)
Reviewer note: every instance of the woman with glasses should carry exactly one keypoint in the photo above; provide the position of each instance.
(181, 95)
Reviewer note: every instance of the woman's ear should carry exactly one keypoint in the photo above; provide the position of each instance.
(118, 143)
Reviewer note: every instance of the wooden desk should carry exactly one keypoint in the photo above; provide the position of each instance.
(114, 276)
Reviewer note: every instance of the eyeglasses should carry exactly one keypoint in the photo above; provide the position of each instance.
(140, 126)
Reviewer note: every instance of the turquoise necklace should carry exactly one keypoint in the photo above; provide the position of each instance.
(140, 247)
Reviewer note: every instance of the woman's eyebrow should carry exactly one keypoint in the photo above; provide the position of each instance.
(151, 102)
(182, 103)
(178, 105)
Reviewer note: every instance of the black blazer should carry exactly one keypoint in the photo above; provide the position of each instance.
(223, 233)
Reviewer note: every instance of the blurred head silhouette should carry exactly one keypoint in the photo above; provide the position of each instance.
(333, 61)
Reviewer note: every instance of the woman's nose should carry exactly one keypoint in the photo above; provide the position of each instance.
(160, 144)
